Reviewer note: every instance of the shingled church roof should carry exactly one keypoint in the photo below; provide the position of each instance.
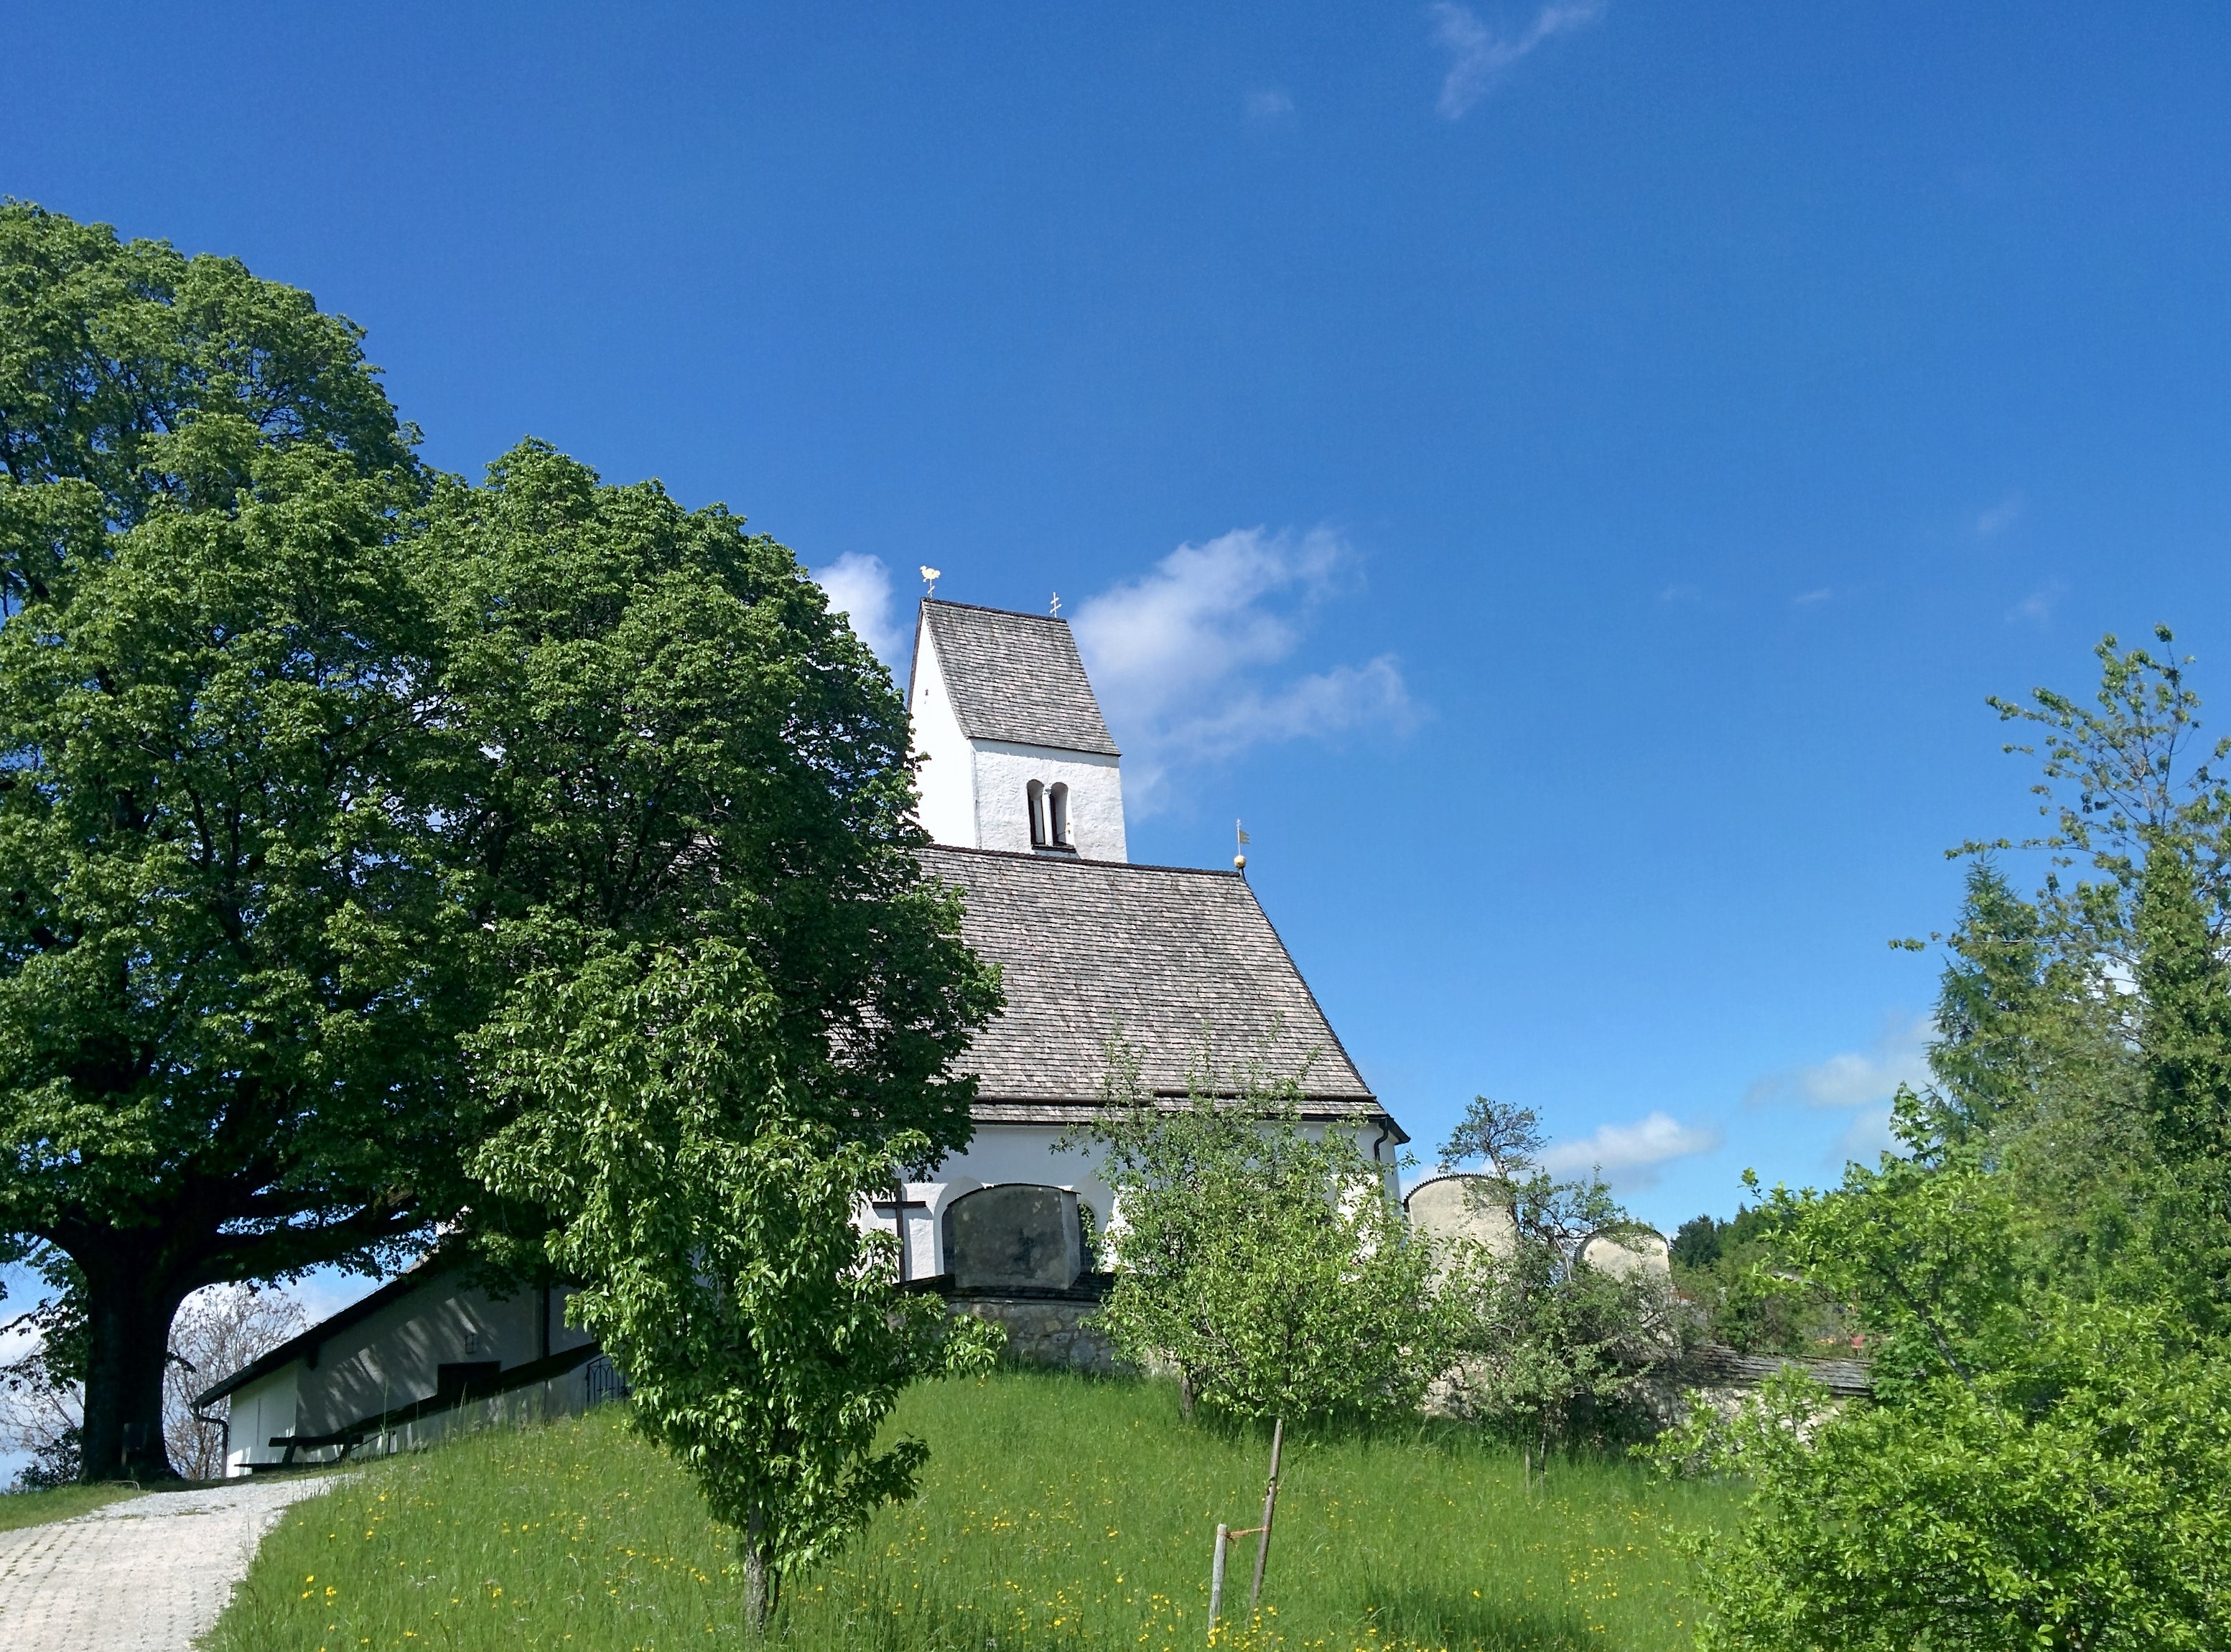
(1016, 677)
(1172, 961)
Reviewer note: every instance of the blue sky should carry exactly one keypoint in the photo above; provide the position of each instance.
(1566, 476)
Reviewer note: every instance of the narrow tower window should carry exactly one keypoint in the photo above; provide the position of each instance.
(1057, 808)
(1034, 800)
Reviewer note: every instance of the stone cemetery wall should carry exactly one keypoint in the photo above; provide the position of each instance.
(1044, 1331)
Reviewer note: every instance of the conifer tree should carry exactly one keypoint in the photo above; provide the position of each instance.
(2185, 1050)
(1988, 1003)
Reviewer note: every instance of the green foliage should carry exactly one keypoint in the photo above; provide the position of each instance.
(1731, 1279)
(2035, 1070)
(668, 738)
(1987, 1058)
(110, 350)
(2065, 1499)
(2185, 1057)
(1701, 1241)
(1262, 1261)
(2042, 1272)
(1056, 1513)
(1547, 1345)
(1920, 1252)
(227, 968)
(715, 1232)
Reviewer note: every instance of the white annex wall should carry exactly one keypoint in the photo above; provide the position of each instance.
(998, 1154)
(1004, 772)
(259, 1413)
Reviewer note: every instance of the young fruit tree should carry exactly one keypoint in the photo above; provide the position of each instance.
(735, 999)
(714, 1226)
(1261, 1259)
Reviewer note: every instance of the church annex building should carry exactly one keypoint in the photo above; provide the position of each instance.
(1022, 795)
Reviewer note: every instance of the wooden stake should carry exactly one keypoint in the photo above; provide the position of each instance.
(1269, 1510)
(1216, 1576)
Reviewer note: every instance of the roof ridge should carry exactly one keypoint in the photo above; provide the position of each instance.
(1080, 860)
(981, 608)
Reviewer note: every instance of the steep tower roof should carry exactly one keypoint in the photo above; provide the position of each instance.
(1015, 677)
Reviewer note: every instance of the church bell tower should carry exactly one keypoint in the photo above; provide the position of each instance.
(1015, 754)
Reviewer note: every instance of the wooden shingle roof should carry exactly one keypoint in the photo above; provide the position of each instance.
(1016, 677)
(1175, 962)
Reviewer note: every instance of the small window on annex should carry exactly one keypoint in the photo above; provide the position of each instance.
(1034, 799)
(1057, 811)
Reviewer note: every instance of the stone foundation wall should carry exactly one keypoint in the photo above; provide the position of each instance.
(1045, 1331)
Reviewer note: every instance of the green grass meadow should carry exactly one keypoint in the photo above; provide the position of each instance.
(1058, 1511)
(21, 1508)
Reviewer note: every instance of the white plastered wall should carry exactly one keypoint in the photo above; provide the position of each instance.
(947, 779)
(393, 1359)
(1028, 1153)
(1004, 773)
(258, 1413)
(999, 1153)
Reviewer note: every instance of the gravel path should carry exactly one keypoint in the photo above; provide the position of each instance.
(148, 1574)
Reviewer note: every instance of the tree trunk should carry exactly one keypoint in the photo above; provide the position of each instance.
(128, 1317)
(761, 1580)
(1184, 1394)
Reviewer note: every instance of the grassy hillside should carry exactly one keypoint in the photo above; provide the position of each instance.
(1058, 1512)
(21, 1508)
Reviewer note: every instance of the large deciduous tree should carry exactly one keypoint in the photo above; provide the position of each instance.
(223, 987)
(311, 762)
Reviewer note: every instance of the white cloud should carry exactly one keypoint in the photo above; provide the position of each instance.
(1867, 1138)
(1808, 599)
(1183, 658)
(1268, 103)
(1854, 1078)
(2037, 607)
(1478, 56)
(859, 587)
(1631, 1156)
(2001, 517)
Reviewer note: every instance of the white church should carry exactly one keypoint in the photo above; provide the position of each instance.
(1022, 797)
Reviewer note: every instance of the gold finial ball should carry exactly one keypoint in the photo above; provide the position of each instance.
(1238, 863)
